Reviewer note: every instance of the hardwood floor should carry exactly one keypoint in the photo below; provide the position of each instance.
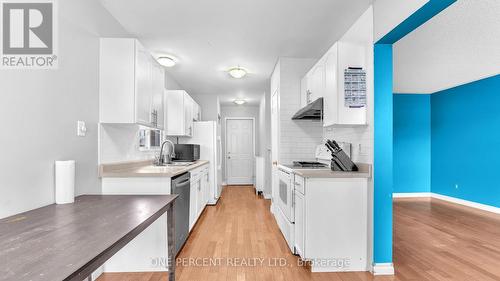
(434, 240)
(437, 240)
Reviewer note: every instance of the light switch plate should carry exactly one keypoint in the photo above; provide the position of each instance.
(81, 129)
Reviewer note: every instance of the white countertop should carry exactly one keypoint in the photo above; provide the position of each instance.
(365, 171)
(145, 169)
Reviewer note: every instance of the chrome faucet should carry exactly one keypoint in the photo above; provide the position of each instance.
(161, 160)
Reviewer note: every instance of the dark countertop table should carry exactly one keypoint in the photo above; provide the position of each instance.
(69, 242)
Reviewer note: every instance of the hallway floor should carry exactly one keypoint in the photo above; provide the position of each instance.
(433, 241)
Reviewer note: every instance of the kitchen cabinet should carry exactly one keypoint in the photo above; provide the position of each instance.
(196, 111)
(304, 91)
(326, 80)
(198, 194)
(350, 54)
(202, 192)
(206, 187)
(158, 109)
(313, 83)
(131, 84)
(331, 219)
(331, 100)
(193, 201)
(179, 113)
(327, 77)
(300, 226)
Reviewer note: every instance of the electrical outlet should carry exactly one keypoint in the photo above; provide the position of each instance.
(362, 150)
(81, 130)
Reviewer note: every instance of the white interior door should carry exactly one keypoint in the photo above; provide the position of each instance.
(239, 151)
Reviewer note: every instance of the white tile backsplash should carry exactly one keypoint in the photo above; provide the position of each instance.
(120, 143)
(361, 139)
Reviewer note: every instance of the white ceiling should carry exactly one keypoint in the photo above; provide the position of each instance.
(210, 36)
(458, 46)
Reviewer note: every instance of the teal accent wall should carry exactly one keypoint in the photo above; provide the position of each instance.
(412, 143)
(383, 128)
(383, 165)
(466, 142)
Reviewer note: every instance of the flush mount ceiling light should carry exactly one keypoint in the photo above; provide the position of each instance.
(237, 72)
(240, 101)
(167, 61)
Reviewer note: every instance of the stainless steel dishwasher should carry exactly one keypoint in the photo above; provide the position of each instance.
(181, 185)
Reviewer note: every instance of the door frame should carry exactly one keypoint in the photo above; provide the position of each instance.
(225, 144)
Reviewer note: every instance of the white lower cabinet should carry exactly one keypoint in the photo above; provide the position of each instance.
(299, 223)
(193, 197)
(331, 220)
(198, 194)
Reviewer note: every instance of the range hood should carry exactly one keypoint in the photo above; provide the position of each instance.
(312, 111)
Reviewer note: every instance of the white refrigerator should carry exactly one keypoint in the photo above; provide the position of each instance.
(207, 135)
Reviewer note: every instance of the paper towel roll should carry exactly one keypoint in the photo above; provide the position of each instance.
(65, 182)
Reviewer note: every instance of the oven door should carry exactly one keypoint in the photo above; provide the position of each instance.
(285, 195)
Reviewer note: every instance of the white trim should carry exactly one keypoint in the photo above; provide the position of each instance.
(383, 269)
(467, 203)
(411, 195)
(463, 202)
(225, 145)
(267, 196)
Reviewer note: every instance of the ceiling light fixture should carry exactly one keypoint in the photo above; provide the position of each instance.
(240, 101)
(237, 72)
(167, 61)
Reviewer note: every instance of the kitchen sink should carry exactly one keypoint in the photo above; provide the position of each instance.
(177, 164)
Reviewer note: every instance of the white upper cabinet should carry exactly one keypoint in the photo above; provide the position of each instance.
(330, 102)
(179, 117)
(131, 84)
(318, 81)
(188, 115)
(312, 85)
(196, 111)
(158, 93)
(353, 52)
(350, 55)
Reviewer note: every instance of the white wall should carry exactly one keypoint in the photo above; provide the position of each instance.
(170, 82)
(458, 46)
(265, 140)
(40, 108)
(208, 104)
(238, 111)
(298, 139)
(361, 138)
(390, 13)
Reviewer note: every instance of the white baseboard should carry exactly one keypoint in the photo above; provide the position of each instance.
(383, 269)
(467, 203)
(267, 196)
(411, 195)
(463, 202)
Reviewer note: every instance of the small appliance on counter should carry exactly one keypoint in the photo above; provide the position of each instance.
(187, 152)
(340, 161)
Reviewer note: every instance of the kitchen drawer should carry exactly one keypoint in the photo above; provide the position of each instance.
(299, 183)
